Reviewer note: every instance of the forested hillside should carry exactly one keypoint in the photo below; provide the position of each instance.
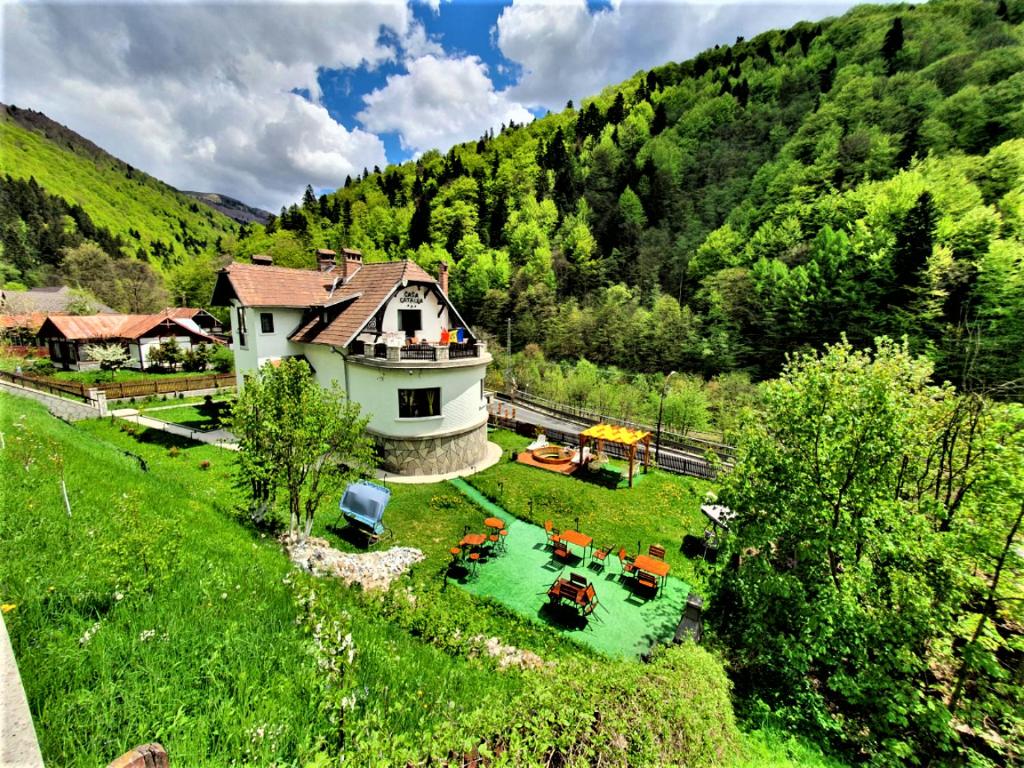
(862, 175)
(60, 192)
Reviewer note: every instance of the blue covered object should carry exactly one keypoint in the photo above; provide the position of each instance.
(363, 505)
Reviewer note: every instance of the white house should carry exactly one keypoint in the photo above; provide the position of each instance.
(69, 336)
(386, 333)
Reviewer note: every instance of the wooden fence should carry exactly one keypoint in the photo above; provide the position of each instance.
(50, 386)
(115, 390)
(123, 389)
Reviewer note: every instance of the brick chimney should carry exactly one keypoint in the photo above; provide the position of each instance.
(351, 264)
(442, 269)
(325, 259)
(262, 259)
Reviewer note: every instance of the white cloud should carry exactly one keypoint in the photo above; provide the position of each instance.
(439, 102)
(567, 52)
(201, 95)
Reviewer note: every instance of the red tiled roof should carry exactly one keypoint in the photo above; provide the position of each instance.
(257, 285)
(359, 298)
(30, 321)
(370, 287)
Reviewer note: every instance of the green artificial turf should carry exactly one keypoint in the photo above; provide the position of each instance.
(625, 624)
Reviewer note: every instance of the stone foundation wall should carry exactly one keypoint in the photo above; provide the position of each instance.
(62, 408)
(433, 455)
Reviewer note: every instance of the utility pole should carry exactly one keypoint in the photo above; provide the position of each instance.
(661, 412)
(508, 356)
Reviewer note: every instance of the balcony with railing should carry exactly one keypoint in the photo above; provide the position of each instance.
(425, 352)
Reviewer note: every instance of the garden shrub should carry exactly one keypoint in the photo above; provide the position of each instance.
(43, 367)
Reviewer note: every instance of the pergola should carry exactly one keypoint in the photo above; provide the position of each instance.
(623, 436)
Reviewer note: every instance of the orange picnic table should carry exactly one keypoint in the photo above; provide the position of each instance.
(473, 539)
(579, 539)
(653, 566)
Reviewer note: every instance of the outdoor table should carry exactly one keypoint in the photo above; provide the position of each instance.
(579, 539)
(494, 522)
(655, 567)
(473, 539)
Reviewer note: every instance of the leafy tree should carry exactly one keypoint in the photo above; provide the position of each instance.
(167, 354)
(196, 358)
(300, 437)
(222, 359)
(111, 357)
(855, 492)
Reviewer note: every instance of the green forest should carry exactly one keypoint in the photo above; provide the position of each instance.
(862, 175)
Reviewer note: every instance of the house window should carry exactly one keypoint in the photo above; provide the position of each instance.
(241, 326)
(410, 321)
(419, 403)
(267, 322)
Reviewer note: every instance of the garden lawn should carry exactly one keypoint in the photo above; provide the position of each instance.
(191, 416)
(624, 624)
(660, 509)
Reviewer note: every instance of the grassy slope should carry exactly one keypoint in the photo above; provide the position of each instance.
(102, 187)
(228, 659)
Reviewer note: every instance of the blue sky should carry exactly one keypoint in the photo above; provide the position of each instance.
(256, 99)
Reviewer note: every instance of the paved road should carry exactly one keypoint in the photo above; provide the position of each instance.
(530, 416)
(218, 437)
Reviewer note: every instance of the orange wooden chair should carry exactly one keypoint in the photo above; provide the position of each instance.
(579, 579)
(552, 532)
(600, 556)
(561, 550)
(656, 551)
(647, 581)
(626, 562)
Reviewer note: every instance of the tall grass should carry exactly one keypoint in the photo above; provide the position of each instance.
(151, 613)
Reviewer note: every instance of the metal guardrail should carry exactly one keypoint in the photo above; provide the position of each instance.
(679, 465)
(418, 352)
(668, 439)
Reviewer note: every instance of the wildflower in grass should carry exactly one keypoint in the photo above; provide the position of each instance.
(223, 595)
(8, 607)
(87, 636)
(118, 596)
(146, 634)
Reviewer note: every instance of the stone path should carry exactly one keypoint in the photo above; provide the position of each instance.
(218, 437)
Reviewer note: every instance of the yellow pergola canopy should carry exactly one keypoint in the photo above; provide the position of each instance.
(615, 434)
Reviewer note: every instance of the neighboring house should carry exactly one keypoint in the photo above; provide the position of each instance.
(22, 312)
(67, 337)
(203, 319)
(387, 334)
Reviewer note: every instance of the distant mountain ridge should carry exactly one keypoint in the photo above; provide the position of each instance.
(230, 207)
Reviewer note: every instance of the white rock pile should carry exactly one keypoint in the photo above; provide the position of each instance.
(371, 570)
(510, 656)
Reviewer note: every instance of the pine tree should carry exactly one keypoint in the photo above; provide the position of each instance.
(892, 45)
(309, 199)
(660, 121)
(617, 111)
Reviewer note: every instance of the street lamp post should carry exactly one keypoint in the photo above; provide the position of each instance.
(661, 412)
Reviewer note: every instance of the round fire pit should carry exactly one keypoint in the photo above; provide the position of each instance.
(553, 454)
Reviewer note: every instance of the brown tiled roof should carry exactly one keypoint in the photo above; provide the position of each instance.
(256, 285)
(325, 252)
(99, 327)
(30, 321)
(367, 289)
(186, 312)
